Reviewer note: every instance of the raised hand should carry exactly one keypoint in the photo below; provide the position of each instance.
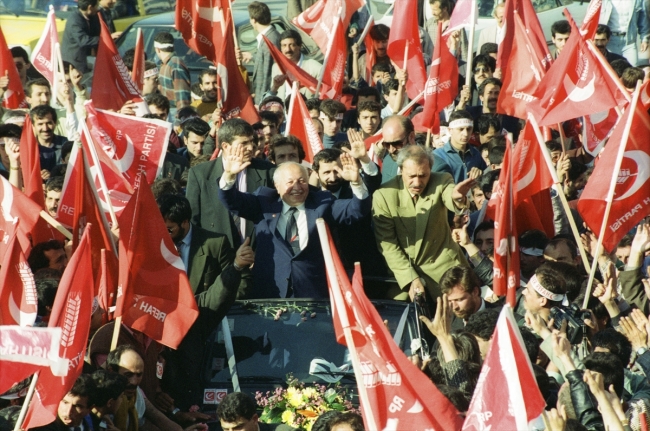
(245, 255)
(233, 160)
(350, 171)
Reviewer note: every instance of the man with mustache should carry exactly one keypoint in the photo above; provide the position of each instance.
(291, 47)
(488, 92)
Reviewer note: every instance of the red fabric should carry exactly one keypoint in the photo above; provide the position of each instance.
(235, 97)
(526, 68)
(19, 302)
(112, 84)
(43, 56)
(319, 18)
(154, 294)
(644, 97)
(201, 23)
(590, 22)
(404, 33)
(631, 200)
(399, 396)
(71, 312)
(302, 127)
(536, 212)
(577, 84)
(531, 173)
(506, 396)
(291, 69)
(596, 128)
(463, 15)
(107, 281)
(442, 86)
(371, 56)
(334, 72)
(14, 95)
(137, 73)
(30, 164)
(14, 206)
(526, 11)
(506, 247)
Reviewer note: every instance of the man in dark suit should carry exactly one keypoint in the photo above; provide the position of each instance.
(260, 16)
(81, 34)
(290, 260)
(601, 39)
(75, 407)
(202, 187)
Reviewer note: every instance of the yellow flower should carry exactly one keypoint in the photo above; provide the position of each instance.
(295, 399)
(287, 416)
(309, 392)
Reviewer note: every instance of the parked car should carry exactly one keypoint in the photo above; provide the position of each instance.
(246, 38)
(301, 341)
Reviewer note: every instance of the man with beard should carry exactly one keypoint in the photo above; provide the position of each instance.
(457, 157)
(291, 46)
(208, 103)
(49, 144)
(53, 189)
(488, 93)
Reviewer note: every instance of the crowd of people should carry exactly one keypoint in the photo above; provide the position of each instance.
(410, 208)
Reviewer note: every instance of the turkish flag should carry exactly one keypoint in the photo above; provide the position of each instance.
(631, 198)
(301, 126)
(154, 295)
(112, 84)
(19, 300)
(30, 164)
(523, 74)
(43, 56)
(464, 15)
(15, 206)
(14, 95)
(394, 394)
(530, 169)
(334, 65)
(590, 22)
(442, 86)
(319, 18)
(576, 85)
(26, 351)
(235, 97)
(71, 312)
(202, 23)
(137, 72)
(506, 396)
(506, 248)
(528, 15)
(404, 36)
(596, 128)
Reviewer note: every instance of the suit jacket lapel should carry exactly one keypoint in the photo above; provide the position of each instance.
(197, 257)
(406, 212)
(422, 213)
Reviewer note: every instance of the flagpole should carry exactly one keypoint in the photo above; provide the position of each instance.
(28, 399)
(470, 48)
(610, 192)
(339, 302)
(55, 224)
(605, 65)
(292, 102)
(427, 144)
(561, 132)
(560, 191)
(329, 51)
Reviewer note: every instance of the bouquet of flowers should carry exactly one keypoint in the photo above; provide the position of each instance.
(299, 406)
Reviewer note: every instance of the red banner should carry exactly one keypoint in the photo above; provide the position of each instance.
(302, 127)
(18, 296)
(44, 54)
(14, 95)
(202, 22)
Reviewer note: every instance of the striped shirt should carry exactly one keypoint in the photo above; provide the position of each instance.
(174, 82)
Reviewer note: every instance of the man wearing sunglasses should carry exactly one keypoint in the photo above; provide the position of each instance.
(397, 131)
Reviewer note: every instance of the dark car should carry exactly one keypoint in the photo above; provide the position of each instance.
(268, 344)
(246, 37)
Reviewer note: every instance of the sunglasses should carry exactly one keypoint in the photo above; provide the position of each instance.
(397, 144)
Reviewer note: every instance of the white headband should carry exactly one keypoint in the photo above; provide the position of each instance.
(151, 72)
(162, 45)
(461, 122)
(322, 116)
(532, 251)
(534, 282)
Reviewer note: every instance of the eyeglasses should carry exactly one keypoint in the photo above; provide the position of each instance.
(481, 69)
(397, 144)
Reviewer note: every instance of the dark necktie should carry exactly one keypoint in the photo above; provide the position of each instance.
(291, 231)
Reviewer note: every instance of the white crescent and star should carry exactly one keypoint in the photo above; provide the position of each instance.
(579, 94)
(171, 258)
(642, 160)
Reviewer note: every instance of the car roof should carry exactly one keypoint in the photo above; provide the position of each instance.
(167, 18)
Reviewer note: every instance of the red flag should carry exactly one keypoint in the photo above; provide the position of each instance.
(525, 70)
(530, 170)
(137, 72)
(154, 295)
(590, 22)
(14, 95)
(107, 283)
(112, 84)
(334, 64)
(71, 312)
(506, 396)
(370, 55)
(44, 54)
(27, 350)
(202, 23)
(644, 97)
(464, 15)
(575, 85)
(596, 128)
(319, 18)
(394, 393)
(30, 164)
(506, 253)
(528, 15)
(17, 287)
(294, 72)
(442, 86)
(301, 126)
(14, 206)
(404, 36)
(631, 197)
(235, 97)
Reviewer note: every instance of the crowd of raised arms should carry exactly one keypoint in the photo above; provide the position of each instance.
(438, 204)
